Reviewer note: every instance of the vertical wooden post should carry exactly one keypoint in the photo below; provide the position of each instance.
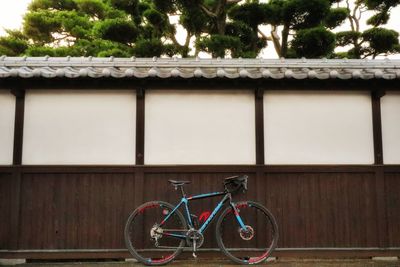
(18, 125)
(259, 121)
(377, 126)
(140, 127)
(139, 170)
(17, 160)
(379, 170)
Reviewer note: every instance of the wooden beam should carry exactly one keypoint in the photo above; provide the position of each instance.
(259, 117)
(314, 253)
(140, 126)
(18, 125)
(377, 125)
(195, 84)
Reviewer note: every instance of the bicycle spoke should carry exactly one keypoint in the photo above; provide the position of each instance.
(153, 244)
(255, 242)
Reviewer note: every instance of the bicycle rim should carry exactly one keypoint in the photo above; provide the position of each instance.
(148, 239)
(253, 245)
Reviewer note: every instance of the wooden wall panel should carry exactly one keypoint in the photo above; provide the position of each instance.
(85, 208)
(75, 211)
(392, 192)
(322, 210)
(9, 202)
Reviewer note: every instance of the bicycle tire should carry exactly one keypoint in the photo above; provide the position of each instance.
(138, 231)
(247, 247)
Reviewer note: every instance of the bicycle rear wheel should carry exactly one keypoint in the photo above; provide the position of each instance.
(253, 245)
(149, 239)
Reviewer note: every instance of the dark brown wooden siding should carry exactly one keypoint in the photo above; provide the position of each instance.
(9, 206)
(392, 193)
(75, 210)
(85, 208)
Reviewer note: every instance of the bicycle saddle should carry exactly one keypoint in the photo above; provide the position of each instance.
(178, 183)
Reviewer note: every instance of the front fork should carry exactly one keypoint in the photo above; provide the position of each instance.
(237, 216)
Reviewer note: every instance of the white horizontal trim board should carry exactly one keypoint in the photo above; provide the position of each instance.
(7, 119)
(318, 127)
(79, 127)
(199, 127)
(390, 110)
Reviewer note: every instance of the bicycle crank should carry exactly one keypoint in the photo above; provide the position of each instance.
(194, 239)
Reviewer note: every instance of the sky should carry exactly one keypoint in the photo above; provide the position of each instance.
(11, 13)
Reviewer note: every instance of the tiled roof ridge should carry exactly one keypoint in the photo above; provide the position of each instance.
(75, 67)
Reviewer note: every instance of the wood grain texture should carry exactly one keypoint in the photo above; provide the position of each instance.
(85, 207)
(392, 189)
(9, 207)
(75, 211)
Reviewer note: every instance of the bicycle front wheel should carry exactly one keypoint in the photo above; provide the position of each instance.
(251, 245)
(153, 235)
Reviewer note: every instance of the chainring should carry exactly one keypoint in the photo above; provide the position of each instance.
(192, 235)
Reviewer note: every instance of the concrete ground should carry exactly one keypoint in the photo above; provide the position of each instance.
(287, 262)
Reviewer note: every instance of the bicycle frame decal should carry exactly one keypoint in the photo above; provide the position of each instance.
(204, 216)
(217, 208)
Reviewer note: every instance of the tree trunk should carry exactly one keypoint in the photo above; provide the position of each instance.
(275, 41)
(285, 35)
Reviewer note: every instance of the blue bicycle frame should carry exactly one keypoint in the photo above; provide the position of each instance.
(184, 201)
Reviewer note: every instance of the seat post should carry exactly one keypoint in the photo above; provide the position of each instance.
(182, 191)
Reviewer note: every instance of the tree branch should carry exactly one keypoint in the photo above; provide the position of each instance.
(275, 41)
(349, 16)
(354, 16)
(220, 7)
(207, 11)
(263, 35)
(187, 41)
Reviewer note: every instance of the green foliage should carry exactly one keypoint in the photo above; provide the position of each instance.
(165, 6)
(117, 30)
(157, 20)
(37, 51)
(115, 52)
(52, 5)
(13, 46)
(93, 8)
(148, 48)
(252, 14)
(381, 4)
(313, 43)
(250, 43)
(381, 40)
(194, 22)
(378, 19)
(218, 45)
(347, 37)
(300, 14)
(96, 46)
(39, 25)
(144, 28)
(336, 17)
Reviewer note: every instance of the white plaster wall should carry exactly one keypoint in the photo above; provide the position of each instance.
(199, 127)
(390, 110)
(79, 127)
(7, 118)
(318, 128)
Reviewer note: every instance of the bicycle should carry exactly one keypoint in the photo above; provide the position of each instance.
(246, 232)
